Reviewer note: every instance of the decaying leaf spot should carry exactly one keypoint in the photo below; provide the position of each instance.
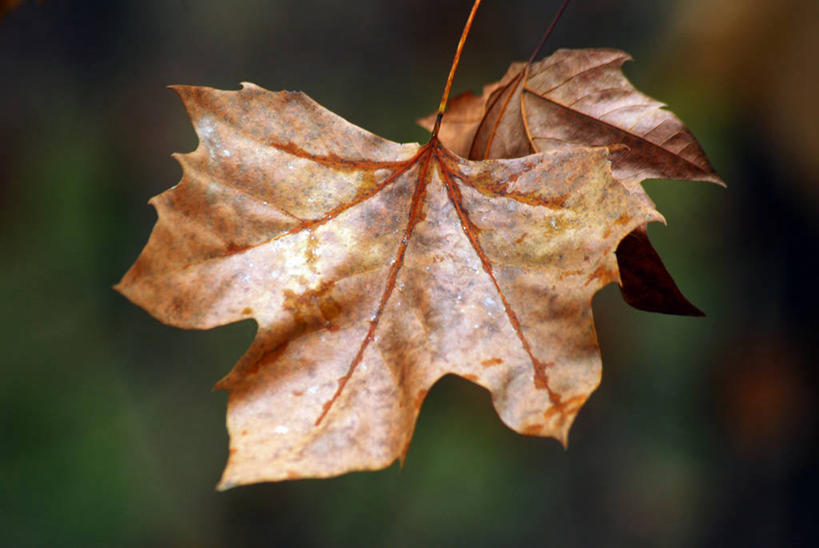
(532, 430)
(419, 398)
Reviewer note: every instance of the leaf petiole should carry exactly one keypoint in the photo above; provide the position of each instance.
(548, 32)
(461, 42)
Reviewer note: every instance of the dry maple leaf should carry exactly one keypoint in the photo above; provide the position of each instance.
(372, 269)
(580, 97)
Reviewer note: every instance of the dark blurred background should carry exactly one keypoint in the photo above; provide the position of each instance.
(703, 432)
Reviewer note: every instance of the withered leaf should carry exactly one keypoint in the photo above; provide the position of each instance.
(580, 97)
(372, 269)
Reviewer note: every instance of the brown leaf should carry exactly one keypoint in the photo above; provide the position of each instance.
(373, 269)
(580, 97)
(644, 280)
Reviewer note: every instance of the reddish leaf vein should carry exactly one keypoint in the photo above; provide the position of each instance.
(541, 380)
(414, 217)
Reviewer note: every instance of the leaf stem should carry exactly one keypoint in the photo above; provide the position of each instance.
(445, 96)
(548, 31)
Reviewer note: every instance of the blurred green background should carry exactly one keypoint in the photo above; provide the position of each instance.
(703, 432)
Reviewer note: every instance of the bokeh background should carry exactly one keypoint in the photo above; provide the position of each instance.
(703, 432)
